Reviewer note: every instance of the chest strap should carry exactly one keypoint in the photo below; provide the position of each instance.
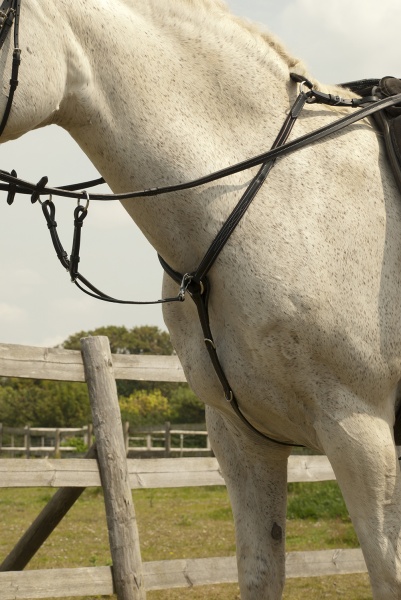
(197, 285)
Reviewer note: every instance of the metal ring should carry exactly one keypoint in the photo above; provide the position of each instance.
(211, 342)
(301, 87)
(48, 200)
(87, 200)
(229, 398)
(308, 92)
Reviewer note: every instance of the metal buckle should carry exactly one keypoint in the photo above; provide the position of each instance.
(186, 280)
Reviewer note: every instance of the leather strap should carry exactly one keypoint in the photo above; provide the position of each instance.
(197, 283)
(71, 263)
(11, 9)
(25, 187)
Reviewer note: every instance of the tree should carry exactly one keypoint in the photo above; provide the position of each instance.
(144, 408)
(138, 340)
(43, 403)
(185, 407)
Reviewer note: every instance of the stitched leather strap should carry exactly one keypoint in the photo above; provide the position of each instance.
(25, 187)
(197, 284)
(11, 9)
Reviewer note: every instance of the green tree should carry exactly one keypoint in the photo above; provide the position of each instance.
(185, 407)
(144, 408)
(138, 340)
(43, 403)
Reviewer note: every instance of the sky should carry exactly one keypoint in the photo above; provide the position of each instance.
(339, 41)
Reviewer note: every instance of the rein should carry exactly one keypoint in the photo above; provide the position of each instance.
(14, 185)
(67, 191)
(9, 14)
(196, 284)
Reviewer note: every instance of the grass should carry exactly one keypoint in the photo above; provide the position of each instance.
(188, 523)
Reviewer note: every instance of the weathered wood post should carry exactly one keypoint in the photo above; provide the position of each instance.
(27, 441)
(57, 443)
(121, 521)
(167, 439)
(126, 437)
(89, 435)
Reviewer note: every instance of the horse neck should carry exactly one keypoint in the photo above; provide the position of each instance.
(174, 94)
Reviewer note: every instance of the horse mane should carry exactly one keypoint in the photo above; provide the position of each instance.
(295, 65)
(260, 36)
(257, 32)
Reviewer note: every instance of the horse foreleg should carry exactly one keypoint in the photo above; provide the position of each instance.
(256, 477)
(361, 450)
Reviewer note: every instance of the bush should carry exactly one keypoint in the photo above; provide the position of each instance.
(43, 403)
(143, 408)
(76, 442)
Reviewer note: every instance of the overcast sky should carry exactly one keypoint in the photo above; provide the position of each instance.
(338, 39)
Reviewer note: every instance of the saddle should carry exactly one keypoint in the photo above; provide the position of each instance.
(388, 121)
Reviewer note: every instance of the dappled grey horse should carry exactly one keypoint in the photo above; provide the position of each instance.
(304, 300)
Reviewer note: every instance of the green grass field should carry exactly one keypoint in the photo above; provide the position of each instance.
(188, 523)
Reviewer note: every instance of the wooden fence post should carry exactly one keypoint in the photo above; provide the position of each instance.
(89, 435)
(27, 441)
(121, 521)
(126, 437)
(57, 443)
(167, 439)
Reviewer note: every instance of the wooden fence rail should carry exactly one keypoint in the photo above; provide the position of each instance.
(38, 441)
(70, 474)
(33, 441)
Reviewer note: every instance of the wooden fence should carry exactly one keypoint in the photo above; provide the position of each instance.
(39, 441)
(73, 475)
(146, 442)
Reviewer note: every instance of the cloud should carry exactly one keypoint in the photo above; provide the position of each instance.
(10, 313)
(356, 19)
(20, 276)
(52, 341)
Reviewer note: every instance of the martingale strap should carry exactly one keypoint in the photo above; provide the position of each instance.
(71, 263)
(196, 284)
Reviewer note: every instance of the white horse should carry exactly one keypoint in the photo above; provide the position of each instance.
(305, 305)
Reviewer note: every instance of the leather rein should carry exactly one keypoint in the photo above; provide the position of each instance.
(196, 284)
(9, 14)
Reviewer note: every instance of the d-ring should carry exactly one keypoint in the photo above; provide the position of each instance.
(48, 200)
(87, 200)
